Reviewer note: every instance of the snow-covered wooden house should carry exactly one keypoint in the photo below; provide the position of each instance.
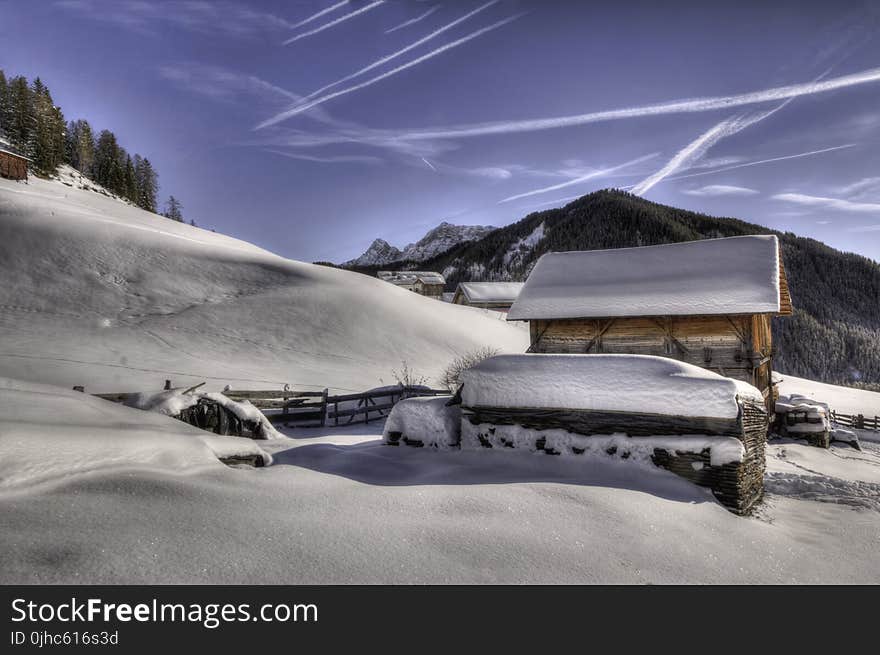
(13, 166)
(706, 302)
(425, 283)
(487, 295)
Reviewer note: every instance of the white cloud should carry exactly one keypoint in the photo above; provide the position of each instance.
(866, 187)
(230, 19)
(829, 203)
(720, 190)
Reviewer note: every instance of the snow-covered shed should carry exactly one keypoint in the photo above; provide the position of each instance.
(13, 166)
(704, 427)
(706, 302)
(488, 295)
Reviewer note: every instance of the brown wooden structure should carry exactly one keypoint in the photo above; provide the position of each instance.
(498, 296)
(424, 283)
(13, 166)
(728, 331)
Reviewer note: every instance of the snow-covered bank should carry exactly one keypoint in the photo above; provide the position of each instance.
(117, 299)
(50, 435)
(840, 399)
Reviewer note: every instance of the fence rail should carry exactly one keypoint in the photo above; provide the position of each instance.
(314, 408)
(857, 421)
(318, 407)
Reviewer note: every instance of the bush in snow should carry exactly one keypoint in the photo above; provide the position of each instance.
(424, 421)
(451, 377)
(407, 377)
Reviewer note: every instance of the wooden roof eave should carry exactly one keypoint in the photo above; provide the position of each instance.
(652, 316)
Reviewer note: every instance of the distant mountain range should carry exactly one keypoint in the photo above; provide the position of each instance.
(833, 336)
(439, 240)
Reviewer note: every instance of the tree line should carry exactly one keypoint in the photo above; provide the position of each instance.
(33, 125)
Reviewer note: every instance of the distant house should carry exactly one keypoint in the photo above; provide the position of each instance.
(487, 295)
(13, 166)
(707, 302)
(425, 283)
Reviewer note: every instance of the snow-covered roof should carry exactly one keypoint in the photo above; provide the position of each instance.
(411, 277)
(490, 292)
(13, 153)
(641, 384)
(735, 275)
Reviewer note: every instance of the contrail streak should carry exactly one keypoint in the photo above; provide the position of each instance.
(695, 150)
(320, 13)
(334, 22)
(411, 46)
(764, 161)
(589, 176)
(412, 21)
(298, 110)
(673, 107)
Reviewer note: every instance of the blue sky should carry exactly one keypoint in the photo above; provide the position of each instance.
(312, 127)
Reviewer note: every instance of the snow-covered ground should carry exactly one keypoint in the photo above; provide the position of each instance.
(338, 506)
(105, 295)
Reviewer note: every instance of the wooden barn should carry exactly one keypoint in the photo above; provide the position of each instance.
(706, 302)
(13, 166)
(425, 283)
(498, 296)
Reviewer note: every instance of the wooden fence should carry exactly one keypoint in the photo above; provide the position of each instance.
(314, 408)
(857, 421)
(318, 407)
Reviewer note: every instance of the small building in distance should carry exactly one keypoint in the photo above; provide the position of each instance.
(13, 166)
(706, 302)
(498, 296)
(425, 283)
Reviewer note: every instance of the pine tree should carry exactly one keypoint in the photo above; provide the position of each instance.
(147, 184)
(17, 120)
(173, 209)
(4, 102)
(106, 159)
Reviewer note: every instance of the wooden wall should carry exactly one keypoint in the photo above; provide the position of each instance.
(734, 346)
(12, 167)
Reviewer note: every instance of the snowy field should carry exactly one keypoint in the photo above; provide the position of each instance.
(108, 296)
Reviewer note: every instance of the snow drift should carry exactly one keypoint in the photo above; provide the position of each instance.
(51, 435)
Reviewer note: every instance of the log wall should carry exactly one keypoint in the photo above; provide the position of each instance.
(12, 167)
(733, 346)
(737, 486)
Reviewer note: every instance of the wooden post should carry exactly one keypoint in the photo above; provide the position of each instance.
(324, 408)
(167, 385)
(860, 422)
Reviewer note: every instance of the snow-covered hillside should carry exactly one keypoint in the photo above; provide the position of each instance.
(102, 294)
(841, 399)
(440, 239)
